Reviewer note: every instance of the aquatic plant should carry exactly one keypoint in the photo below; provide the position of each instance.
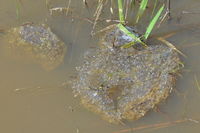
(153, 22)
(125, 83)
(18, 4)
(121, 14)
(141, 10)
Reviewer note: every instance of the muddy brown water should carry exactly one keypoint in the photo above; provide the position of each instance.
(34, 100)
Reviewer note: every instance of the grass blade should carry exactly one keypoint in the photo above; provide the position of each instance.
(128, 45)
(197, 83)
(141, 10)
(153, 22)
(121, 14)
(17, 8)
(134, 37)
(132, 4)
(154, 7)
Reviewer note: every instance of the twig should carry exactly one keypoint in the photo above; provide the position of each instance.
(68, 8)
(188, 12)
(97, 14)
(105, 29)
(163, 18)
(170, 45)
(85, 19)
(167, 13)
(169, 8)
(197, 83)
(158, 125)
(85, 3)
(59, 10)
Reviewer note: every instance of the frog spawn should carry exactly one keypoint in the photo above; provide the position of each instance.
(124, 84)
(37, 43)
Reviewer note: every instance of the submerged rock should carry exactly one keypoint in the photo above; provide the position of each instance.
(37, 43)
(125, 83)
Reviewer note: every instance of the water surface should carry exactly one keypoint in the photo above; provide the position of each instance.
(34, 100)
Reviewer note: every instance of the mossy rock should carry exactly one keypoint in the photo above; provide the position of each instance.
(36, 43)
(125, 83)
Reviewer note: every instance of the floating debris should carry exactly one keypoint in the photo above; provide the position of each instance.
(37, 43)
(125, 83)
(60, 10)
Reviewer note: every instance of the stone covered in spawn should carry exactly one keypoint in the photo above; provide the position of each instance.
(125, 83)
(36, 43)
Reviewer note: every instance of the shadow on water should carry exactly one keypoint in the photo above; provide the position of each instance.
(34, 100)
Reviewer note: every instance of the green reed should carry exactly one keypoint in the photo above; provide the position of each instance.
(141, 11)
(153, 22)
(17, 8)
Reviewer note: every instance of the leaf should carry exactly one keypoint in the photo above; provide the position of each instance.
(141, 10)
(152, 23)
(121, 14)
(154, 7)
(128, 45)
(134, 37)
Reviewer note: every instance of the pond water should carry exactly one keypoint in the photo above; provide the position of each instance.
(34, 100)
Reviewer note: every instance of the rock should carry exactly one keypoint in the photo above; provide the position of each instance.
(125, 83)
(37, 43)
